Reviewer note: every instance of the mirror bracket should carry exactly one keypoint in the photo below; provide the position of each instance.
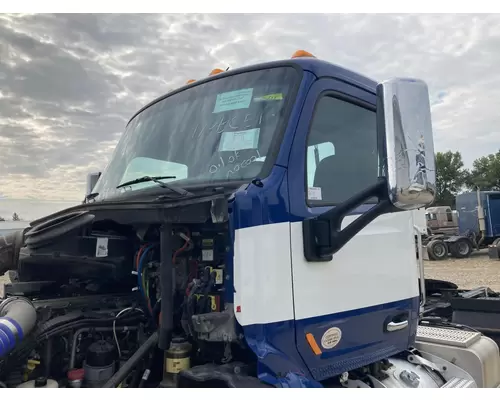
(92, 179)
(323, 236)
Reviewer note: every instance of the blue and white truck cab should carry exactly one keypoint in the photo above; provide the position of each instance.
(255, 229)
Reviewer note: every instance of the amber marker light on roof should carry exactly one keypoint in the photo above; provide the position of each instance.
(216, 71)
(302, 53)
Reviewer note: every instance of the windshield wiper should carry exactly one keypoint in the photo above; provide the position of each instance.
(156, 179)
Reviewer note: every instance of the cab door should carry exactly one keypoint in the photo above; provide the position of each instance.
(362, 305)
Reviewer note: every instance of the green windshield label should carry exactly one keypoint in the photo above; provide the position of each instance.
(234, 100)
(242, 140)
(270, 97)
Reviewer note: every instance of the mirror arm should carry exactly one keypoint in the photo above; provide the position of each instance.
(323, 236)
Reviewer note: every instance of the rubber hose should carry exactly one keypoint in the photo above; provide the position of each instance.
(39, 337)
(129, 365)
(22, 352)
(17, 319)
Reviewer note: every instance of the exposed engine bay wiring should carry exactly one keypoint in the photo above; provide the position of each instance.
(93, 341)
(114, 325)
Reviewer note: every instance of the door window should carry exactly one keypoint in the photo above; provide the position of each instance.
(342, 151)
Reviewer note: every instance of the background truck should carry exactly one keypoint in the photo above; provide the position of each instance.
(252, 229)
(441, 219)
(478, 226)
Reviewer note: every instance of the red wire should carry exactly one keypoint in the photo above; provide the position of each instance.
(186, 243)
(138, 257)
(179, 251)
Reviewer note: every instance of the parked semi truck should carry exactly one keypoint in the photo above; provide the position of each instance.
(477, 226)
(252, 229)
(441, 220)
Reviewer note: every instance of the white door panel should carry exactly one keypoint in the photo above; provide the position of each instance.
(377, 266)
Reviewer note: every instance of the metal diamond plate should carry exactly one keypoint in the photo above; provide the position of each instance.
(447, 336)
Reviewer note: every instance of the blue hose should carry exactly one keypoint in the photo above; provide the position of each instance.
(17, 319)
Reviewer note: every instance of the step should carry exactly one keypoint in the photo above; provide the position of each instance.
(447, 336)
(458, 383)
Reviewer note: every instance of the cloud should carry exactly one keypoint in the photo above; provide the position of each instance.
(69, 83)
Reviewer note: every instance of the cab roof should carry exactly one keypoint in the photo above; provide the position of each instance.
(320, 68)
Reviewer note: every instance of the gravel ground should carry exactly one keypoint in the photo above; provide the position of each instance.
(469, 273)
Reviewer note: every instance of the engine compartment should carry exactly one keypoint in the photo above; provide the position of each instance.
(143, 298)
(97, 286)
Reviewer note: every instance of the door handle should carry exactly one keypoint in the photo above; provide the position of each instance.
(396, 326)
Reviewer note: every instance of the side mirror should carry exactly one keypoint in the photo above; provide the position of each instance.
(407, 178)
(406, 125)
(92, 179)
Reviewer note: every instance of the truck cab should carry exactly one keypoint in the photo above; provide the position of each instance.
(442, 219)
(270, 207)
(307, 135)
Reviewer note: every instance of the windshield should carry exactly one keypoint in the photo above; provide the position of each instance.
(215, 132)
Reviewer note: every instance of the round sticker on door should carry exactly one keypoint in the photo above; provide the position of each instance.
(331, 338)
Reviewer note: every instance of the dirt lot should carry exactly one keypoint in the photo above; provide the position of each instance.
(478, 270)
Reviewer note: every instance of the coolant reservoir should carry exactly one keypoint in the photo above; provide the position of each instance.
(39, 383)
(177, 359)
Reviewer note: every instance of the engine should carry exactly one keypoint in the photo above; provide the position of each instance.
(90, 303)
(128, 302)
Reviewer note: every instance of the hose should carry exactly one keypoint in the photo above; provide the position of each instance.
(19, 354)
(81, 324)
(129, 365)
(17, 319)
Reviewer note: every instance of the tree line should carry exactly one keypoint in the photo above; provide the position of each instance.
(15, 217)
(453, 178)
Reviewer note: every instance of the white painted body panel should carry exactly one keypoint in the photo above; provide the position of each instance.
(262, 274)
(419, 220)
(377, 266)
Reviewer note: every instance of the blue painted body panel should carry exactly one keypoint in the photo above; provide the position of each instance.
(494, 214)
(284, 357)
(363, 338)
(466, 205)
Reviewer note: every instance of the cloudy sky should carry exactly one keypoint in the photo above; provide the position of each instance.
(69, 83)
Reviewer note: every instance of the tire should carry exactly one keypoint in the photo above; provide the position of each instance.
(437, 250)
(462, 248)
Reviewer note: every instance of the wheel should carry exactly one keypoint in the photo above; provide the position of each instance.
(496, 242)
(461, 248)
(437, 250)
